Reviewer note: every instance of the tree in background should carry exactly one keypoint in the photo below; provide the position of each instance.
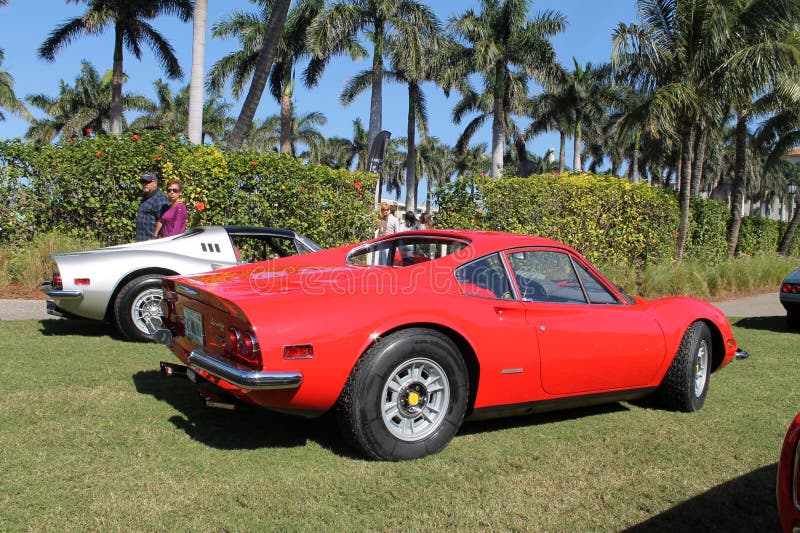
(501, 44)
(196, 97)
(131, 29)
(261, 69)
(9, 100)
(379, 19)
(79, 110)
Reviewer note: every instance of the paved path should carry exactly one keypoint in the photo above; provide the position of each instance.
(751, 306)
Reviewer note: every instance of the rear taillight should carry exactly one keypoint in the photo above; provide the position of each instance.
(243, 346)
(58, 284)
(790, 288)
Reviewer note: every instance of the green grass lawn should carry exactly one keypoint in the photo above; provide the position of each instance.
(93, 437)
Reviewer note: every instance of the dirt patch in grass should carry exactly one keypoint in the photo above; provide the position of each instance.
(16, 291)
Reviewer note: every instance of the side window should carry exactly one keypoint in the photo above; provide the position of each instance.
(545, 276)
(596, 292)
(253, 248)
(485, 278)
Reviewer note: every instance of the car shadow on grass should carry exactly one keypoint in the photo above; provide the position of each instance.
(245, 428)
(471, 427)
(745, 503)
(776, 324)
(85, 328)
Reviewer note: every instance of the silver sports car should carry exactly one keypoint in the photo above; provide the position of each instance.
(122, 284)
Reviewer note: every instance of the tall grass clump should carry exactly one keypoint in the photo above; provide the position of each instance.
(704, 279)
(30, 265)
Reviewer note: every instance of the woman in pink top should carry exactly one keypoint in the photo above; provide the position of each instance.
(173, 221)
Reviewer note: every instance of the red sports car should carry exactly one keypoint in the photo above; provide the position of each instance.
(788, 483)
(406, 335)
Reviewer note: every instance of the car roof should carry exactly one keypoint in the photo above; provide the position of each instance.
(484, 242)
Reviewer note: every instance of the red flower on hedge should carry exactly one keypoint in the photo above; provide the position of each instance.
(136, 137)
(98, 153)
(69, 142)
(253, 163)
(157, 158)
(89, 131)
(357, 185)
(160, 146)
(200, 206)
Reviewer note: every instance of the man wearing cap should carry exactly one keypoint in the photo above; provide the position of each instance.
(154, 203)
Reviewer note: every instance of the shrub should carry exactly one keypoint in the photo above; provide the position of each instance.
(606, 218)
(89, 187)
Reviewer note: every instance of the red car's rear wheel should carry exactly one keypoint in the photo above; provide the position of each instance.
(406, 397)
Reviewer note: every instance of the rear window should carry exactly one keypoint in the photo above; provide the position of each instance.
(401, 252)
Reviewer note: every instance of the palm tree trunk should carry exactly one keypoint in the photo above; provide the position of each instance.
(411, 156)
(576, 154)
(266, 56)
(562, 151)
(196, 82)
(376, 98)
(286, 122)
(116, 84)
(498, 121)
(701, 136)
(788, 237)
(635, 163)
(686, 181)
(737, 196)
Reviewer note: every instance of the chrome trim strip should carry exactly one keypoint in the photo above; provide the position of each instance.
(246, 379)
(511, 371)
(59, 293)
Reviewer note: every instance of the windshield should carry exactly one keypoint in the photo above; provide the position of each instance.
(400, 252)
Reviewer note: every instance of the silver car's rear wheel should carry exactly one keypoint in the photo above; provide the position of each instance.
(415, 399)
(138, 302)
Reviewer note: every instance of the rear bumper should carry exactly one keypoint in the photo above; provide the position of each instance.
(245, 379)
(47, 288)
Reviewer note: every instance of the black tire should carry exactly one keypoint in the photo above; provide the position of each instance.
(793, 318)
(685, 384)
(138, 300)
(420, 378)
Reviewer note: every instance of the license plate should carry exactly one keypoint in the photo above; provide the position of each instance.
(193, 325)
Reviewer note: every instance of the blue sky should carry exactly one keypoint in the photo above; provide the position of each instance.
(25, 24)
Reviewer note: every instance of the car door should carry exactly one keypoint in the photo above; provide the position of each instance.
(589, 340)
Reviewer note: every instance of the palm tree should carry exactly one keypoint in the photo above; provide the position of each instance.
(170, 114)
(335, 152)
(437, 164)
(667, 57)
(261, 69)
(516, 102)
(196, 97)
(379, 20)
(547, 113)
(762, 42)
(76, 110)
(502, 44)
(9, 100)
(129, 20)
(412, 63)
(249, 29)
(268, 134)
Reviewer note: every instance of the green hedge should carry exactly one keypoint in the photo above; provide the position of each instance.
(89, 187)
(608, 219)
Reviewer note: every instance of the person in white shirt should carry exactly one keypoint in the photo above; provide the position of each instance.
(387, 223)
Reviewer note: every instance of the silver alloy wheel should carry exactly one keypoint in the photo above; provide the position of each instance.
(415, 399)
(145, 306)
(700, 368)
